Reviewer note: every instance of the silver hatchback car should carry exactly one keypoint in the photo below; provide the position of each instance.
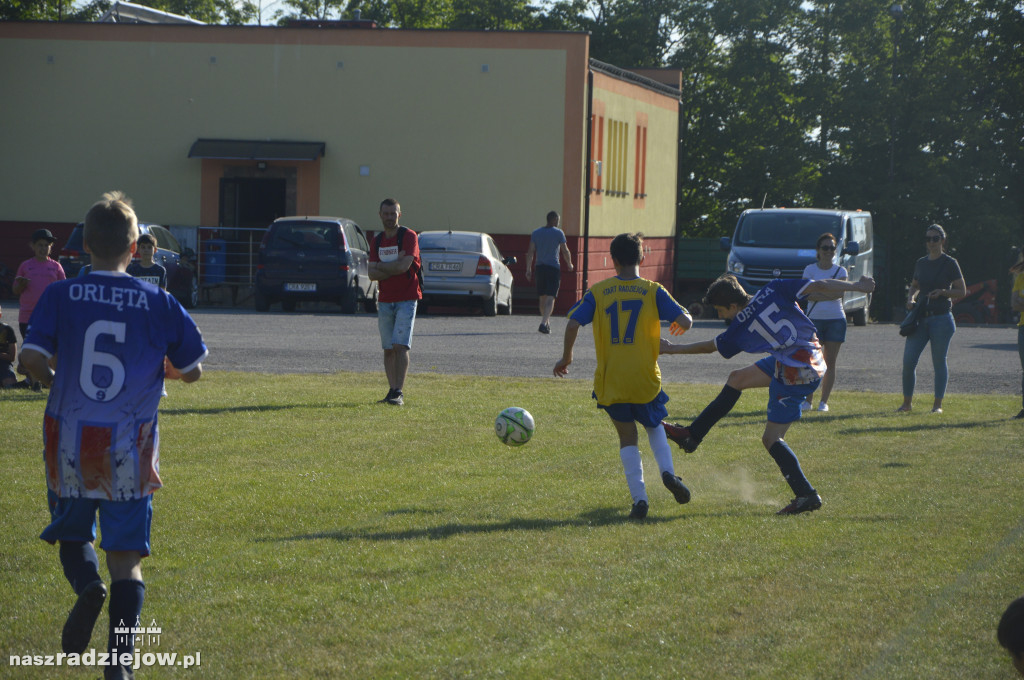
(465, 268)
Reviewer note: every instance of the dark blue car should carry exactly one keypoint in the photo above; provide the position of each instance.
(314, 259)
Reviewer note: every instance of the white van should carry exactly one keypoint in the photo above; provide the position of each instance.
(777, 243)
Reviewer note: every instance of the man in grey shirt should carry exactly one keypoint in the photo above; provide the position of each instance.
(547, 243)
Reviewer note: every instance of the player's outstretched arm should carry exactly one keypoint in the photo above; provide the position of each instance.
(704, 347)
(830, 289)
(572, 329)
(682, 323)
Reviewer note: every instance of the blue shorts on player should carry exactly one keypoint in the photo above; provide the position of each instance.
(649, 415)
(124, 525)
(784, 400)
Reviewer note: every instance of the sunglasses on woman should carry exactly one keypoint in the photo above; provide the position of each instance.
(828, 248)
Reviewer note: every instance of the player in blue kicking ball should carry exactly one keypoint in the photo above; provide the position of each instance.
(626, 311)
(109, 333)
(768, 321)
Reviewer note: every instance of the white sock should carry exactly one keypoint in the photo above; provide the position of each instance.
(634, 469)
(662, 451)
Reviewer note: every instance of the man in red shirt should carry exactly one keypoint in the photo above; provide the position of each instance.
(394, 264)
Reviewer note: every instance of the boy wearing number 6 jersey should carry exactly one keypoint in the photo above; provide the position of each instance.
(626, 312)
(109, 333)
(768, 321)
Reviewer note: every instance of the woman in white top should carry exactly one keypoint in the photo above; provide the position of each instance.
(828, 315)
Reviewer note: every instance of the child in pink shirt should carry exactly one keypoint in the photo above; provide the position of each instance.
(32, 278)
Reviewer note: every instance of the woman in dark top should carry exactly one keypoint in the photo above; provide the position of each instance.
(938, 279)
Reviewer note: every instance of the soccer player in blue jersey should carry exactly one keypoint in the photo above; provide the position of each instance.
(626, 312)
(109, 333)
(768, 321)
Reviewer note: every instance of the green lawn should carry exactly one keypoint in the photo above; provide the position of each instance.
(305, 531)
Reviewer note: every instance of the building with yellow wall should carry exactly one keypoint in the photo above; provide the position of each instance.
(223, 127)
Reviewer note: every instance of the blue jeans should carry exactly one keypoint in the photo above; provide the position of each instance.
(939, 331)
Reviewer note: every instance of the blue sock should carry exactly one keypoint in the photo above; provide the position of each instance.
(81, 564)
(715, 411)
(125, 608)
(790, 467)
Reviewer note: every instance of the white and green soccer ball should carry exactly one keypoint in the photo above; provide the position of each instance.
(514, 426)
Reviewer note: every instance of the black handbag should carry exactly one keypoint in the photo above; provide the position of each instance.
(913, 318)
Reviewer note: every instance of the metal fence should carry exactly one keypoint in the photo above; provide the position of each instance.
(227, 261)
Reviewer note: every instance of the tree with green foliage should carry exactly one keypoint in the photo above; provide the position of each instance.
(402, 13)
(50, 10)
(914, 115)
(913, 111)
(744, 139)
(628, 33)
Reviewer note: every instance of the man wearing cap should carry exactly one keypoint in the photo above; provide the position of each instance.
(33, 276)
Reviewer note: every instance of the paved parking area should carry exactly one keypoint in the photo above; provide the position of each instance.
(983, 359)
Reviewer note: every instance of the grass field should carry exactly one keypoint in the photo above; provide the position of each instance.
(305, 531)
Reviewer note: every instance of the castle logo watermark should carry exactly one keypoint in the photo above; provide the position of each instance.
(138, 638)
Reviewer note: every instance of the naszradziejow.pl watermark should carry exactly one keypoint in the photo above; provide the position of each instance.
(142, 637)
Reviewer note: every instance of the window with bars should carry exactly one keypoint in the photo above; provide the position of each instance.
(597, 153)
(640, 174)
(616, 167)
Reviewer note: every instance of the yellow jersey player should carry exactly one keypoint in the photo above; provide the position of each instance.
(626, 312)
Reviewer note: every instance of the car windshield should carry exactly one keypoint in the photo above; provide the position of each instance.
(785, 230)
(445, 241)
(307, 236)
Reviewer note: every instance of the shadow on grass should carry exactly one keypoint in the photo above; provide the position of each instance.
(253, 409)
(936, 424)
(595, 518)
(11, 394)
(412, 511)
(735, 413)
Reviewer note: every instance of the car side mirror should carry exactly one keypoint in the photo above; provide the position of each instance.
(852, 248)
(725, 243)
(510, 260)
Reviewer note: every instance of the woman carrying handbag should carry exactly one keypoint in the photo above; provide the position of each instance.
(937, 277)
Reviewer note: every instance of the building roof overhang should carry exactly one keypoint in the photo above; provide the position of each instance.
(252, 150)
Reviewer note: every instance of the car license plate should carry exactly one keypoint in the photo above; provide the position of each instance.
(300, 287)
(445, 266)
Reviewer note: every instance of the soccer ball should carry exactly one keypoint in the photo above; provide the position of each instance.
(514, 426)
